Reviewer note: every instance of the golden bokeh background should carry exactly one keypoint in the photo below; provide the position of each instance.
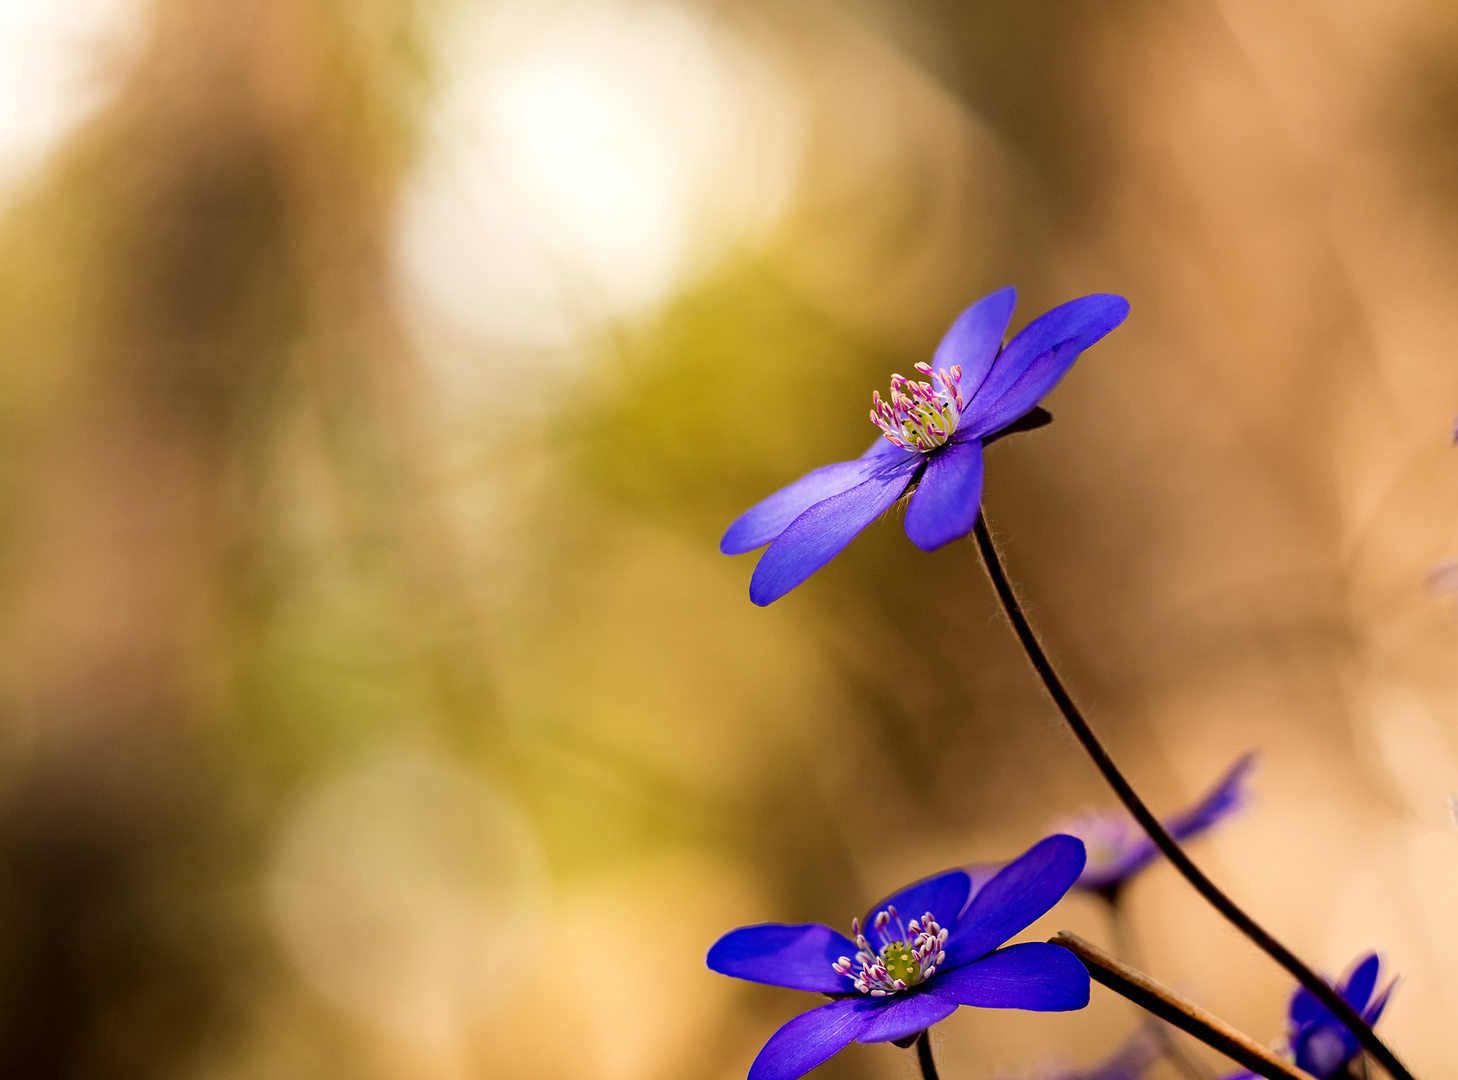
(377, 377)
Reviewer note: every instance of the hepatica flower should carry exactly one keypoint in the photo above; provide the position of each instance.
(1320, 1043)
(1118, 848)
(933, 430)
(916, 957)
(1315, 1038)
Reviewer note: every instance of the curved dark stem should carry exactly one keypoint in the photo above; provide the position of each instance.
(924, 1056)
(1157, 832)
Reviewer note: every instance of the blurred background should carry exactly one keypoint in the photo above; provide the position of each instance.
(377, 376)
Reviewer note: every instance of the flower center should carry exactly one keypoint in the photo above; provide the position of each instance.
(920, 415)
(908, 954)
(901, 963)
(1106, 836)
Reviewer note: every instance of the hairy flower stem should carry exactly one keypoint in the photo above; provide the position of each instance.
(924, 1056)
(1157, 832)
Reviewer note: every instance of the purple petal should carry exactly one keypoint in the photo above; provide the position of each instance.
(901, 1015)
(1306, 1008)
(1033, 975)
(799, 957)
(822, 532)
(1324, 1050)
(1321, 1043)
(1031, 420)
(1373, 1012)
(766, 519)
(1227, 797)
(809, 1039)
(1128, 850)
(1020, 893)
(1116, 845)
(945, 504)
(1037, 358)
(975, 337)
(981, 874)
(1361, 980)
(883, 446)
(944, 895)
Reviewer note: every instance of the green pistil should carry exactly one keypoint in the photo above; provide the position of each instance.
(900, 963)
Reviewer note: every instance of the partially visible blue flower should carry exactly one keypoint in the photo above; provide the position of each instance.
(1129, 1062)
(892, 978)
(1118, 848)
(1315, 1039)
(1319, 1041)
(934, 428)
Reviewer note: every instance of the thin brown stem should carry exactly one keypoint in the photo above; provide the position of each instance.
(1157, 832)
(1175, 1009)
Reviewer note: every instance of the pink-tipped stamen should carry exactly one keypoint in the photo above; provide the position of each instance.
(920, 415)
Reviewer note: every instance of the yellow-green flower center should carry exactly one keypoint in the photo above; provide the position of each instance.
(920, 415)
(901, 963)
(909, 953)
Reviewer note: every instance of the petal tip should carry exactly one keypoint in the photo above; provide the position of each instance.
(1114, 307)
(933, 542)
(1074, 846)
(763, 594)
(1005, 297)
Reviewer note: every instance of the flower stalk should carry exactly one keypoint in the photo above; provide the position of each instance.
(1157, 832)
(924, 1056)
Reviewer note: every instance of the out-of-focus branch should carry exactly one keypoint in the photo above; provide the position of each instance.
(1177, 1010)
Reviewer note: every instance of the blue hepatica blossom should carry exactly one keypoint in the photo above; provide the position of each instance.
(1118, 848)
(1315, 1039)
(893, 979)
(934, 428)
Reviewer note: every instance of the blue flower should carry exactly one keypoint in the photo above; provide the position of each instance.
(933, 431)
(1319, 1041)
(1118, 848)
(1315, 1039)
(893, 979)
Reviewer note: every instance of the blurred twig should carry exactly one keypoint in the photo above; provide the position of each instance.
(1178, 1010)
